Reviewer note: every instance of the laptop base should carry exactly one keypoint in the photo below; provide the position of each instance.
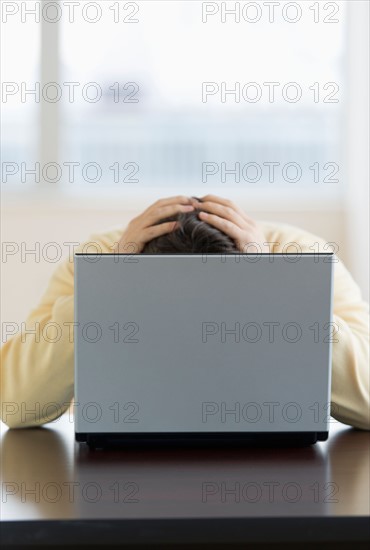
(200, 440)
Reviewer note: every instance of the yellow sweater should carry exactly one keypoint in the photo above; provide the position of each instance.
(38, 376)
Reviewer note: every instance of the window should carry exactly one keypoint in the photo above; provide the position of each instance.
(20, 76)
(186, 95)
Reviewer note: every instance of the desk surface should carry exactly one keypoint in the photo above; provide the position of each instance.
(182, 495)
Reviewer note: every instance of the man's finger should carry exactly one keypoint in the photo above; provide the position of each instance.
(225, 202)
(224, 212)
(223, 225)
(178, 199)
(157, 230)
(163, 212)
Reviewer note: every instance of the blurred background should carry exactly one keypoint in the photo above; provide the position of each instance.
(110, 105)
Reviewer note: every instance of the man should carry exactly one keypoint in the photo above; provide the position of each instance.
(38, 377)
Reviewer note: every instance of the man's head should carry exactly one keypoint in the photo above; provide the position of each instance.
(193, 236)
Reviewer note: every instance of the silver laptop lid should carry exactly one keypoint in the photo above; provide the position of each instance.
(192, 343)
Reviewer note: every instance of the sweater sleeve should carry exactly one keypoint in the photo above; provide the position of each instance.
(350, 389)
(37, 364)
(350, 385)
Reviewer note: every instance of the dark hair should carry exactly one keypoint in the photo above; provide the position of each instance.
(194, 236)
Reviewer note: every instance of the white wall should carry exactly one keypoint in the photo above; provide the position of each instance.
(358, 145)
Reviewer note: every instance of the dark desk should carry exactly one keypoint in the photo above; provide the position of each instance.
(57, 492)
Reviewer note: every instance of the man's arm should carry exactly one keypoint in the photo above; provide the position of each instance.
(37, 370)
(350, 385)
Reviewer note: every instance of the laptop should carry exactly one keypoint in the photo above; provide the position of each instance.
(203, 349)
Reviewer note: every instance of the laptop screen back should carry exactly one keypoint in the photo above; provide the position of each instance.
(187, 343)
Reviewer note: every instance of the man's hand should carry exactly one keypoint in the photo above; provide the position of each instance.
(229, 218)
(143, 228)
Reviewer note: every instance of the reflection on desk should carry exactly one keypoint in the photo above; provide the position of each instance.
(46, 475)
